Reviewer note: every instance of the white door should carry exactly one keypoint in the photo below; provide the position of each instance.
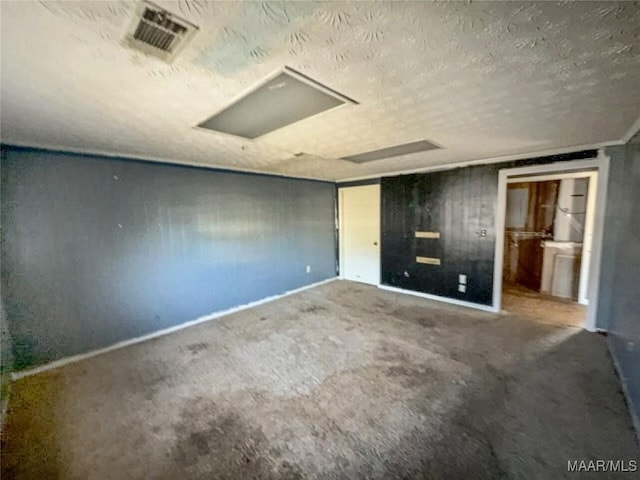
(359, 212)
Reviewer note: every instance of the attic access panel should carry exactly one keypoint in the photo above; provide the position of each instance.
(284, 99)
(395, 151)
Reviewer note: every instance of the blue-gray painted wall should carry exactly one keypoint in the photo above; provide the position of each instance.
(99, 250)
(619, 298)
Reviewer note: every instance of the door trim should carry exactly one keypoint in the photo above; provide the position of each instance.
(587, 243)
(601, 164)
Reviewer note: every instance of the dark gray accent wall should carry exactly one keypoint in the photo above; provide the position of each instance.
(619, 298)
(461, 205)
(99, 250)
(458, 204)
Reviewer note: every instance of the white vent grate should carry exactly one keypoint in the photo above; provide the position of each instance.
(157, 32)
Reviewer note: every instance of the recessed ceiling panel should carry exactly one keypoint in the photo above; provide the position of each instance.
(283, 100)
(395, 151)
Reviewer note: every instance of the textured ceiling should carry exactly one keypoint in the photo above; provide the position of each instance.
(483, 80)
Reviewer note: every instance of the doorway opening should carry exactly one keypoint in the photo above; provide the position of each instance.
(549, 234)
(546, 242)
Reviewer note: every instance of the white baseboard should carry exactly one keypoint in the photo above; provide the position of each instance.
(83, 356)
(635, 420)
(453, 301)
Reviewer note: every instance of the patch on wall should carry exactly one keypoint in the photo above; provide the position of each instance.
(428, 260)
(427, 234)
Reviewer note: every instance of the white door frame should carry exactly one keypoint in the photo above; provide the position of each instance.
(341, 231)
(599, 164)
(587, 238)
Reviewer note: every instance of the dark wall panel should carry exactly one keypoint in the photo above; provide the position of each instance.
(97, 250)
(461, 205)
(458, 204)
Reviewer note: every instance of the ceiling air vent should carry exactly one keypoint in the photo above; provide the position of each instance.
(157, 32)
(395, 151)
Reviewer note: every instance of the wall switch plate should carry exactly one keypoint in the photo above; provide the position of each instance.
(462, 278)
(308, 268)
(462, 288)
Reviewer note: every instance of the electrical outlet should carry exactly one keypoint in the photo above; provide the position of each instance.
(462, 288)
(308, 268)
(462, 278)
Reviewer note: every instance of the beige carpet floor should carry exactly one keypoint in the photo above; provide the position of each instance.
(343, 381)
